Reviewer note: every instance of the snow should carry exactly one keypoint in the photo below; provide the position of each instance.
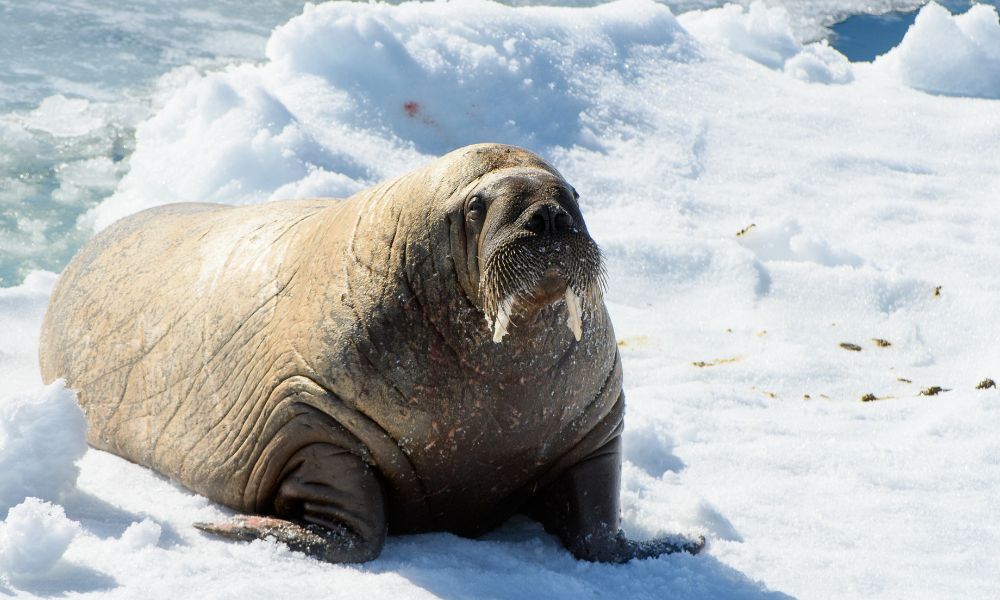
(416, 94)
(760, 202)
(141, 534)
(96, 66)
(760, 33)
(21, 311)
(809, 19)
(41, 438)
(957, 55)
(784, 240)
(33, 538)
(764, 34)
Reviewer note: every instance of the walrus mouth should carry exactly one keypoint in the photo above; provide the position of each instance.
(529, 272)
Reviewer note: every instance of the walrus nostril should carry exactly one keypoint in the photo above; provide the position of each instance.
(548, 219)
(563, 222)
(539, 222)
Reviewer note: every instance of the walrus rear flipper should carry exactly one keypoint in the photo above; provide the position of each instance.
(332, 507)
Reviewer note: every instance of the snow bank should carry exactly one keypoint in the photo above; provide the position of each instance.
(952, 55)
(354, 93)
(33, 538)
(764, 34)
(41, 438)
(475, 77)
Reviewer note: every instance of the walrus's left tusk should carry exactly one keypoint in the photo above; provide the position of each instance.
(573, 313)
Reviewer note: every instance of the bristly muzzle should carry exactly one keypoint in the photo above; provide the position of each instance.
(515, 268)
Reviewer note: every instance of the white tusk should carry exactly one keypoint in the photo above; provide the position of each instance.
(573, 314)
(503, 319)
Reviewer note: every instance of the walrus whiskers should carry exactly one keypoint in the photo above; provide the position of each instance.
(515, 268)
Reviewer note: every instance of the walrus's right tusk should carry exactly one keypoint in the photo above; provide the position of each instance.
(503, 319)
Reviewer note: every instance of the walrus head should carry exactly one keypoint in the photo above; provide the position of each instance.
(528, 246)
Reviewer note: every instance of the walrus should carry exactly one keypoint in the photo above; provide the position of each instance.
(430, 354)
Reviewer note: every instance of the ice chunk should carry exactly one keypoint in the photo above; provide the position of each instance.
(950, 55)
(41, 437)
(33, 538)
(764, 34)
(761, 33)
(142, 534)
(819, 63)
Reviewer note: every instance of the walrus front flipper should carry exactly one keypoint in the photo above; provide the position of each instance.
(331, 507)
(581, 509)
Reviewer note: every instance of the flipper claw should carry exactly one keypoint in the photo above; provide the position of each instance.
(313, 540)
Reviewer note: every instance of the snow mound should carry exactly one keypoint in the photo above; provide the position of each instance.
(142, 534)
(33, 538)
(950, 55)
(764, 34)
(819, 63)
(41, 438)
(649, 447)
(353, 93)
(527, 81)
(785, 241)
(222, 138)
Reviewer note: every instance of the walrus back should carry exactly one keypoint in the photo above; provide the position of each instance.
(144, 318)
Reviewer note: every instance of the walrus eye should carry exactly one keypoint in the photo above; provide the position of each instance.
(476, 209)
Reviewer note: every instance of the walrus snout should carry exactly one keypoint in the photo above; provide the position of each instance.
(532, 247)
(547, 259)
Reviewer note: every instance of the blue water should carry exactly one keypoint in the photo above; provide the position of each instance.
(107, 56)
(864, 37)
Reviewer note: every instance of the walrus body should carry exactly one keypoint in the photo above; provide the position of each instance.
(334, 363)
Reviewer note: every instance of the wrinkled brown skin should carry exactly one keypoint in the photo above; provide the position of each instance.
(327, 362)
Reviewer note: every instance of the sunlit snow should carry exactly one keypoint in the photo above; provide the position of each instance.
(787, 233)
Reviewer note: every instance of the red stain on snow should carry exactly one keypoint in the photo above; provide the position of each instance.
(413, 109)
